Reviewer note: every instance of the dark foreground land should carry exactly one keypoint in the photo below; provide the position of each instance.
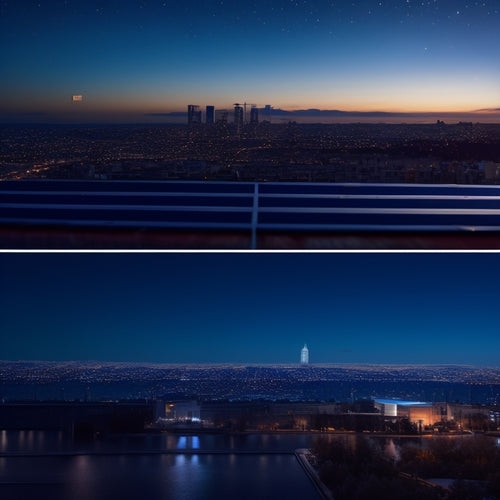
(358, 468)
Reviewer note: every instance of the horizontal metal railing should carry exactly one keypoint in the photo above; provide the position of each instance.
(253, 207)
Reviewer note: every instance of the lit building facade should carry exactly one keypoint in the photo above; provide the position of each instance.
(417, 412)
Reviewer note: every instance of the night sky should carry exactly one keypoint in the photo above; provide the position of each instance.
(130, 59)
(251, 308)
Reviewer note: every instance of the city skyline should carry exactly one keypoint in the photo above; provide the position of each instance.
(141, 61)
(224, 307)
(254, 113)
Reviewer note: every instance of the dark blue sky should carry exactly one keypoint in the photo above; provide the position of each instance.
(129, 59)
(256, 308)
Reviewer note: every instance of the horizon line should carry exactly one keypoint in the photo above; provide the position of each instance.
(230, 363)
(131, 122)
(275, 116)
(344, 111)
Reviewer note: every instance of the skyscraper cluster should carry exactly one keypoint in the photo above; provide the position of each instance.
(212, 115)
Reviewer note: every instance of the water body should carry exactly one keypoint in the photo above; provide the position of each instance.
(42, 442)
(49, 464)
(39, 464)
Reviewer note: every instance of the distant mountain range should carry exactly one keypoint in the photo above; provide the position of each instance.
(488, 110)
(329, 112)
(311, 115)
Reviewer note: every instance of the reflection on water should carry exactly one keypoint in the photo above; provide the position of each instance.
(81, 474)
(207, 477)
(21, 440)
(195, 442)
(128, 474)
(391, 451)
(58, 441)
(188, 443)
(36, 441)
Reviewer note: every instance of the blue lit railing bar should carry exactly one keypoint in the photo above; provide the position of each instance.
(254, 207)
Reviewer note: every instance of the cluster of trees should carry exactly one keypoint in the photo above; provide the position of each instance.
(473, 461)
(359, 468)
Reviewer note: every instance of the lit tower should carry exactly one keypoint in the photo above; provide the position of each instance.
(304, 355)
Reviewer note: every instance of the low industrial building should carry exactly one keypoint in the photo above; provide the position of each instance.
(417, 412)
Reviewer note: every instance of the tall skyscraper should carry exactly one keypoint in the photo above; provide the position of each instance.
(238, 117)
(210, 114)
(254, 115)
(267, 110)
(304, 355)
(194, 114)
